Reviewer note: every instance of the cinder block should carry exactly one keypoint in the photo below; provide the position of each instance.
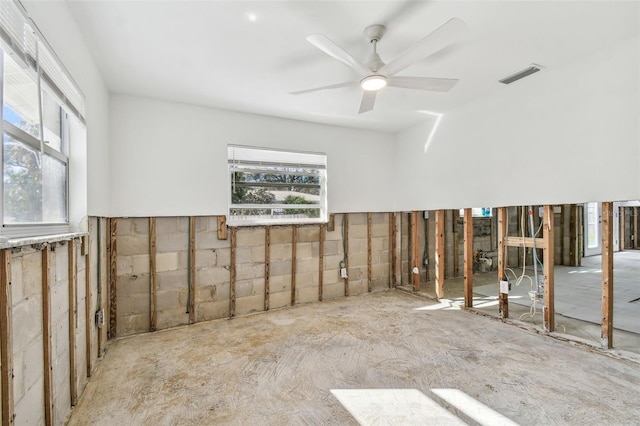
(357, 231)
(243, 255)
(183, 224)
(305, 280)
(258, 253)
(124, 265)
(309, 265)
(303, 250)
(206, 258)
(250, 236)
(128, 245)
(16, 278)
(380, 218)
(258, 287)
(172, 317)
(280, 299)
(333, 262)
(280, 251)
(167, 262)
(31, 274)
(357, 259)
(315, 249)
(32, 365)
(140, 264)
(130, 284)
(249, 304)
(244, 288)
(60, 263)
(212, 310)
(167, 300)
(357, 287)
(140, 226)
(333, 291)
(171, 243)
(280, 267)
(332, 247)
(206, 293)
(224, 256)
(281, 234)
(209, 240)
(380, 231)
(357, 219)
(308, 294)
(249, 271)
(133, 324)
(172, 280)
(125, 226)
(212, 276)
(166, 225)
(18, 374)
(25, 411)
(201, 223)
(331, 276)
(308, 233)
(355, 273)
(135, 304)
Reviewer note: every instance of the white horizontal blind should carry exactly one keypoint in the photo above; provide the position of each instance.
(271, 157)
(20, 34)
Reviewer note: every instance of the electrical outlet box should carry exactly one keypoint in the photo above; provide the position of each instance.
(504, 287)
(100, 318)
(343, 273)
(426, 261)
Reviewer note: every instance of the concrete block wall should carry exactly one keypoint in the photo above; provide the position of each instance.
(27, 335)
(212, 285)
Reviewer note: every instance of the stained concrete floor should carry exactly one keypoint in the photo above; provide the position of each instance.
(389, 352)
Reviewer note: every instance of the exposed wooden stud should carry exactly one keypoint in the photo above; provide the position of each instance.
(153, 275)
(397, 222)
(502, 235)
(636, 224)
(561, 248)
(369, 260)
(439, 284)
(321, 261)
(47, 335)
(222, 227)
(267, 265)
(607, 275)
(294, 244)
(73, 310)
(331, 225)
(623, 231)
(88, 320)
(345, 232)
(99, 283)
(415, 252)
(528, 242)
(548, 257)
(192, 269)
(426, 248)
(393, 230)
(232, 274)
(113, 276)
(468, 258)
(6, 338)
(456, 247)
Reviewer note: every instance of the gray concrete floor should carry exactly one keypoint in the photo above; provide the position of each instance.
(578, 293)
(290, 366)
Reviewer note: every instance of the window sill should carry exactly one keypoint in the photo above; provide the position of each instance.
(41, 239)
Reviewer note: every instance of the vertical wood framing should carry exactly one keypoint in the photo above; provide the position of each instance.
(607, 275)
(331, 225)
(636, 231)
(415, 252)
(73, 310)
(232, 274)
(113, 276)
(439, 284)
(503, 299)
(47, 335)
(6, 338)
(345, 233)
(294, 244)
(548, 257)
(99, 282)
(192, 269)
(393, 230)
(153, 276)
(456, 248)
(623, 231)
(573, 235)
(369, 252)
(267, 265)
(86, 250)
(397, 224)
(222, 227)
(321, 261)
(468, 258)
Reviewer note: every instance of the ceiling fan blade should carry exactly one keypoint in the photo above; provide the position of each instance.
(331, 86)
(423, 83)
(449, 32)
(368, 101)
(330, 48)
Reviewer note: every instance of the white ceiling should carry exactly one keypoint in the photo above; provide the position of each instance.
(209, 53)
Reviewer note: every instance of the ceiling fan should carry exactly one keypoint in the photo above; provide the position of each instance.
(376, 74)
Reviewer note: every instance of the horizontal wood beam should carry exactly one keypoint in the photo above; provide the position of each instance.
(540, 243)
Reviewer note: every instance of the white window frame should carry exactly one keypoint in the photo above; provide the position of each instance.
(259, 159)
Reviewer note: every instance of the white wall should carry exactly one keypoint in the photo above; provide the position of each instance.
(54, 20)
(561, 136)
(170, 159)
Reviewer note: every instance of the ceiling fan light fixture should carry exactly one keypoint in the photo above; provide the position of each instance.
(373, 82)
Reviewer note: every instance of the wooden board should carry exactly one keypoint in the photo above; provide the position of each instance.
(528, 242)
(321, 261)
(468, 258)
(548, 257)
(440, 265)
(369, 252)
(294, 244)
(267, 265)
(113, 277)
(73, 307)
(192, 269)
(607, 275)
(232, 274)
(99, 283)
(393, 255)
(47, 335)
(415, 251)
(346, 251)
(222, 227)
(153, 275)
(88, 320)
(6, 338)
(503, 299)
(331, 225)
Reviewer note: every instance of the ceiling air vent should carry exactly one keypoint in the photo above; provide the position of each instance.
(521, 74)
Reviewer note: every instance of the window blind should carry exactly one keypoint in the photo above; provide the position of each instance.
(272, 157)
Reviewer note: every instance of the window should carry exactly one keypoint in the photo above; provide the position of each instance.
(37, 97)
(270, 186)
